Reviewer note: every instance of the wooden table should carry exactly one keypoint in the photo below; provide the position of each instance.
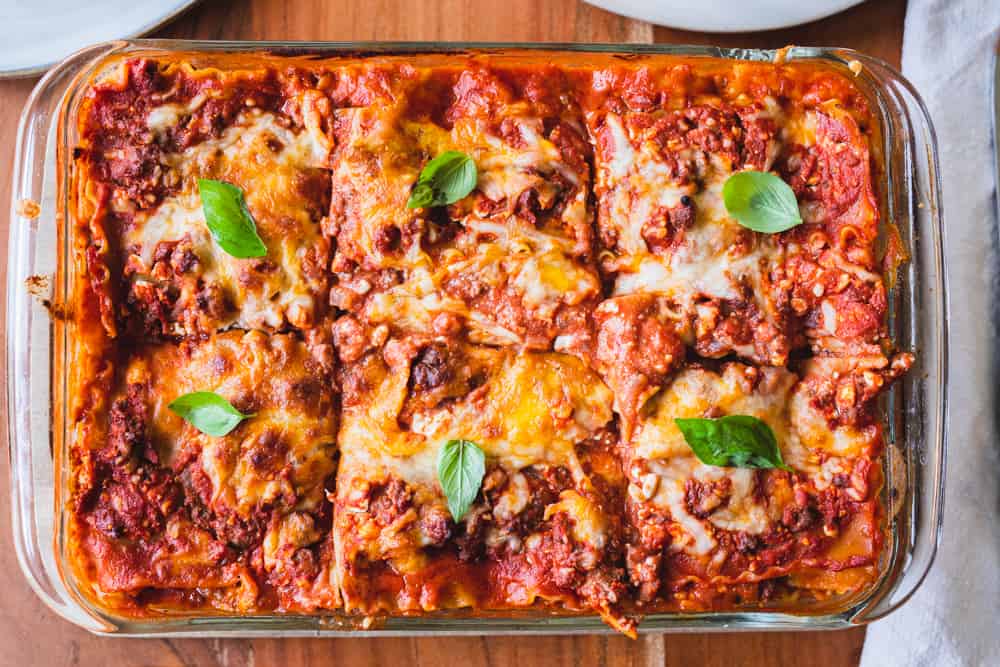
(32, 635)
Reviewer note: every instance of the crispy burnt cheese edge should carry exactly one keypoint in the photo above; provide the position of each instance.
(543, 531)
(171, 517)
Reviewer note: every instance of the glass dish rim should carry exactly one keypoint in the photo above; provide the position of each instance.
(862, 611)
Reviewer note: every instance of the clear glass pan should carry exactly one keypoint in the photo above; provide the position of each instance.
(36, 344)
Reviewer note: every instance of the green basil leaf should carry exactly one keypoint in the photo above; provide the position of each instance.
(734, 441)
(229, 220)
(461, 465)
(444, 180)
(761, 201)
(421, 197)
(208, 412)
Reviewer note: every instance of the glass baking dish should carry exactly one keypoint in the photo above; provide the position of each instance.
(37, 343)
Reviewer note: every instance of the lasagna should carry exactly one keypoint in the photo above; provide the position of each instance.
(264, 432)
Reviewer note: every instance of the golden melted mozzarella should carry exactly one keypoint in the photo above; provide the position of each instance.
(282, 456)
(273, 165)
(818, 440)
(374, 170)
(717, 257)
(808, 444)
(590, 524)
(536, 408)
(533, 409)
(538, 268)
(293, 531)
(696, 392)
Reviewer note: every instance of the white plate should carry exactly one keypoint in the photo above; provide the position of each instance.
(36, 34)
(726, 15)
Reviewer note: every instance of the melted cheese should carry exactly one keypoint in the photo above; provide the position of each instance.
(169, 116)
(716, 257)
(623, 155)
(382, 137)
(165, 117)
(293, 531)
(694, 393)
(374, 171)
(813, 432)
(535, 408)
(743, 512)
(807, 442)
(690, 534)
(265, 159)
(285, 451)
(535, 267)
(505, 171)
(590, 525)
(713, 259)
(799, 128)
(531, 411)
(514, 498)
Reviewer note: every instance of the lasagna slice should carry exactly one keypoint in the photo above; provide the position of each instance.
(665, 230)
(545, 528)
(169, 516)
(696, 527)
(512, 261)
(175, 125)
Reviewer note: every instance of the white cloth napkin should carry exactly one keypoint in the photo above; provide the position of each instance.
(954, 618)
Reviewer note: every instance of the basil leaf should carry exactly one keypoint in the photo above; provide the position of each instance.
(761, 201)
(229, 220)
(735, 441)
(444, 180)
(461, 465)
(208, 412)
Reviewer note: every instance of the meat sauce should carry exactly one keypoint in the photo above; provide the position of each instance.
(552, 216)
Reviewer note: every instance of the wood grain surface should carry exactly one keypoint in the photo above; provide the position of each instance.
(31, 635)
